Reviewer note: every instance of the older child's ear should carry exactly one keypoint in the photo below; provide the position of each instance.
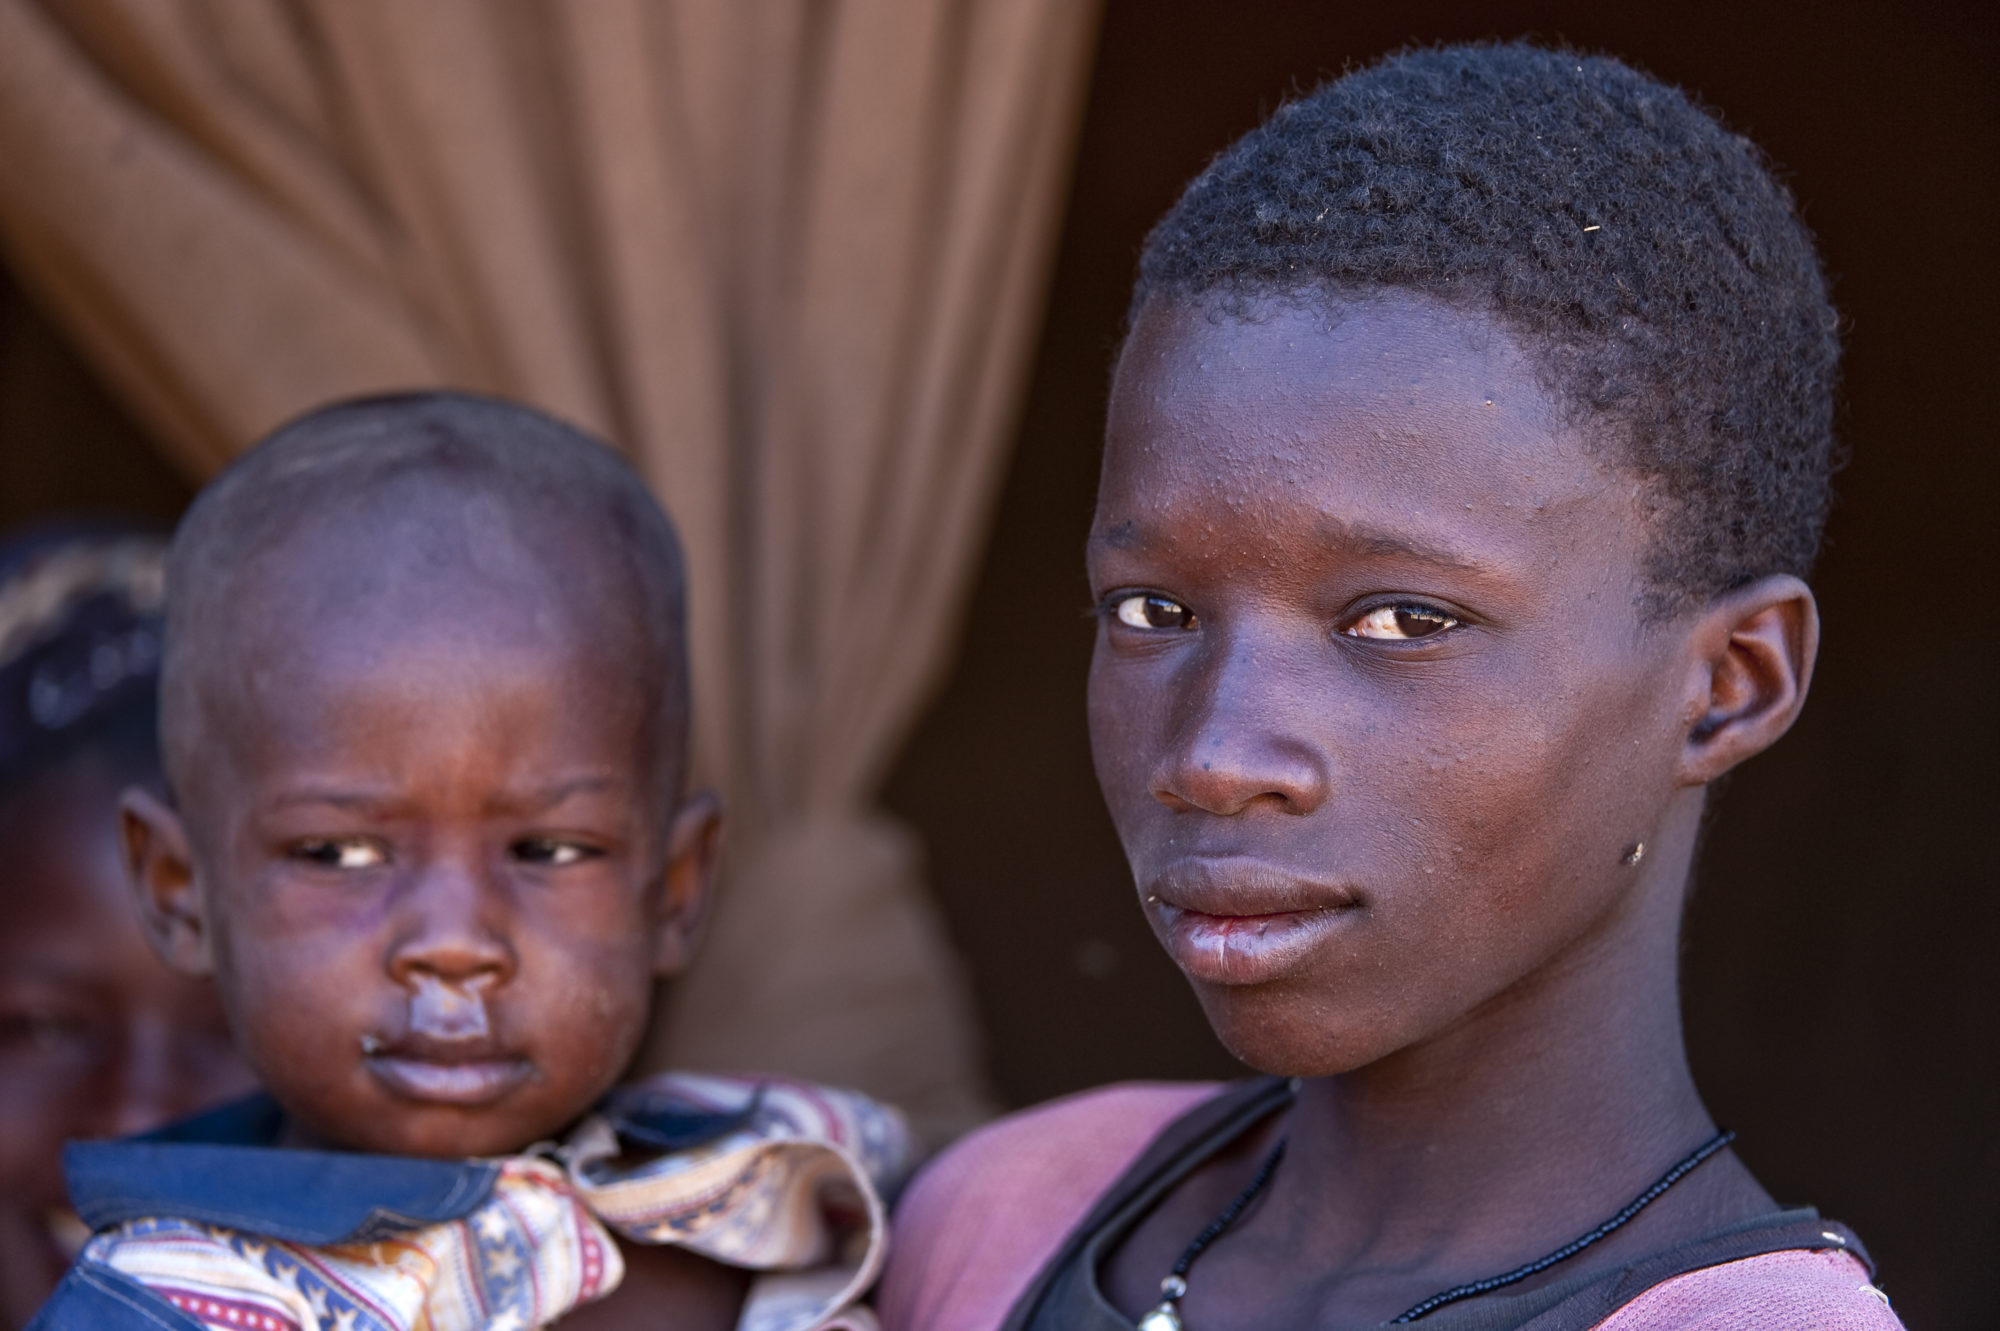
(162, 872)
(688, 887)
(1751, 666)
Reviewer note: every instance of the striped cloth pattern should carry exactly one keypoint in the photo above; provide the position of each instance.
(794, 1192)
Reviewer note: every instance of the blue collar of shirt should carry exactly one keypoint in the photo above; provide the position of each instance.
(226, 1168)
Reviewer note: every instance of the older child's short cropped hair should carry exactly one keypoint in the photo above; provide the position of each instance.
(1649, 260)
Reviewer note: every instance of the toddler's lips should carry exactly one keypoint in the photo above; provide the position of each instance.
(455, 1081)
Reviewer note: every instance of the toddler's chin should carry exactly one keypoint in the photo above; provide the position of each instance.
(385, 1125)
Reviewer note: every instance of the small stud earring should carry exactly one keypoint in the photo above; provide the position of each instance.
(1634, 855)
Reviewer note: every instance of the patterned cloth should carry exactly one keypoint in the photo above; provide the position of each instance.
(787, 1182)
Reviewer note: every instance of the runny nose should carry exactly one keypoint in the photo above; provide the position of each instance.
(449, 1011)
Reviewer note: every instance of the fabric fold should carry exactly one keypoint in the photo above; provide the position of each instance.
(789, 1182)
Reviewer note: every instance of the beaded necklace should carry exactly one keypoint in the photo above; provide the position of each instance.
(1167, 1317)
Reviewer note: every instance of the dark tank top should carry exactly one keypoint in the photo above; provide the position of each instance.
(1065, 1295)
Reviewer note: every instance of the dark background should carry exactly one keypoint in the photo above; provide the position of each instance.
(1843, 995)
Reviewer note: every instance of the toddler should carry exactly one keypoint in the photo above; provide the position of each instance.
(424, 725)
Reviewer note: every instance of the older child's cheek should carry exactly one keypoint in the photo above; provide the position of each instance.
(1554, 801)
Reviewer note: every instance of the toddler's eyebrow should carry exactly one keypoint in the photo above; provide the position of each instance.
(531, 799)
(339, 799)
(536, 798)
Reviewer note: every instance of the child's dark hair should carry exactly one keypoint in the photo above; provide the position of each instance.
(1648, 260)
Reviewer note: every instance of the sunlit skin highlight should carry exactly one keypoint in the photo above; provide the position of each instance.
(1378, 717)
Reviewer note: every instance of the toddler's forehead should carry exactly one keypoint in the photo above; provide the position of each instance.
(324, 626)
(428, 555)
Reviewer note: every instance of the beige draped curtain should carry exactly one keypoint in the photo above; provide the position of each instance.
(788, 253)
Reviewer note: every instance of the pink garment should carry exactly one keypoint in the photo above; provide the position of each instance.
(979, 1224)
(1780, 1291)
(981, 1221)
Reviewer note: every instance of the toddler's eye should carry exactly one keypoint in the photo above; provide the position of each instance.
(1149, 610)
(552, 851)
(1400, 622)
(352, 852)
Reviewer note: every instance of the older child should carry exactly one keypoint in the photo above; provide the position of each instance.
(424, 715)
(1466, 454)
(97, 1038)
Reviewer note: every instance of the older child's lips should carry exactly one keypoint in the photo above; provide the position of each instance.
(1243, 922)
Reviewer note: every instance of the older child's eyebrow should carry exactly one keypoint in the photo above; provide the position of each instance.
(1357, 539)
(1122, 536)
(1376, 542)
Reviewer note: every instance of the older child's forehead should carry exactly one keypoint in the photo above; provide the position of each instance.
(1406, 365)
(1399, 424)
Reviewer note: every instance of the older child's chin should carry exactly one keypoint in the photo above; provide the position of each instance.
(1286, 1034)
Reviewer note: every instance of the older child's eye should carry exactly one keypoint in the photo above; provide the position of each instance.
(352, 852)
(1149, 610)
(1400, 622)
(552, 851)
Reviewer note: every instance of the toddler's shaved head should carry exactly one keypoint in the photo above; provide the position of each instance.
(421, 505)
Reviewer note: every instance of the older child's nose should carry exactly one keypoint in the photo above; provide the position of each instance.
(1234, 745)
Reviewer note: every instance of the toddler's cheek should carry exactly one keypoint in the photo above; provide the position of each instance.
(593, 1029)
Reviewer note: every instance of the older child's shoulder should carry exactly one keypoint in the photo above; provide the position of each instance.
(1779, 1291)
(986, 1215)
(1042, 1151)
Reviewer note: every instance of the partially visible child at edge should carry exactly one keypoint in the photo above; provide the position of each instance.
(424, 719)
(97, 1038)
(1466, 454)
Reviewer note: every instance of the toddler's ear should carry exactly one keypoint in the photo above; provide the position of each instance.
(688, 886)
(1751, 664)
(162, 872)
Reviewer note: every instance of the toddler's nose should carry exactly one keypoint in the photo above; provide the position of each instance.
(452, 943)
